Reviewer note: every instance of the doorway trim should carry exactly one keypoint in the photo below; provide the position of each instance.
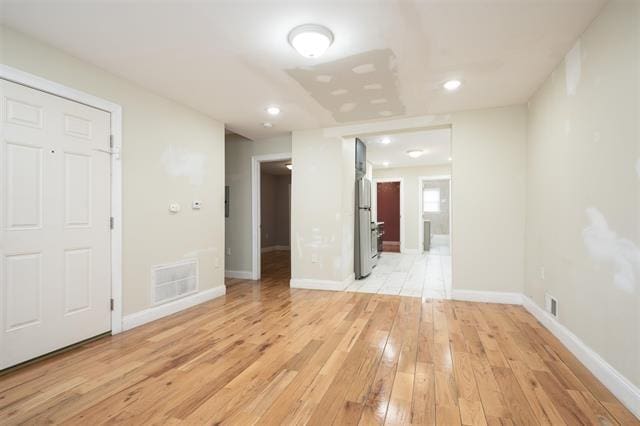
(256, 160)
(29, 80)
(374, 197)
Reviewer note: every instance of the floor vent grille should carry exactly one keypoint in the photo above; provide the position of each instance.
(170, 282)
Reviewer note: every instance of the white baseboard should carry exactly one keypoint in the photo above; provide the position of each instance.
(312, 284)
(137, 319)
(243, 275)
(620, 386)
(612, 379)
(487, 296)
(274, 248)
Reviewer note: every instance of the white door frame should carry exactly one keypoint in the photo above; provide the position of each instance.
(374, 202)
(47, 86)
(255, 207)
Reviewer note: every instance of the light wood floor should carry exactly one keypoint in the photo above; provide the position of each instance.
(271, 355)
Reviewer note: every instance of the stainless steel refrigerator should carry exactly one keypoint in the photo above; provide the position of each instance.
(364, 256)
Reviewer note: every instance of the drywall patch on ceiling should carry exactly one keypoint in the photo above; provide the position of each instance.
(357, 84)
(180, 162)
(573, 68)
(605, 246)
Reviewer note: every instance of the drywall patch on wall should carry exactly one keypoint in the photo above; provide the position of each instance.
(573, 68)
(605, 246)
(357, 85)
(179, 162)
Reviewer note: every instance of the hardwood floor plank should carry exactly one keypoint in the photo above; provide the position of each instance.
(268, 354)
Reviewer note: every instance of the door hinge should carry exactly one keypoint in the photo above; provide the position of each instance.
(111, 304)
(111, 222)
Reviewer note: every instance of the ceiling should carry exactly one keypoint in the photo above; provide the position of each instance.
(230, 58)
(277, 168)
(436, 145)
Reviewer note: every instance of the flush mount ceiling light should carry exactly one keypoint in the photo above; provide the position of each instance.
(385, 141)
(310, 40)
(452, 85)
(289, 166)
(385, 163)
(415, 153)
(267, 124)
(450, 158)
(273, 110)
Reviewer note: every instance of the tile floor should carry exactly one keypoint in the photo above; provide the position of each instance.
(426, 275)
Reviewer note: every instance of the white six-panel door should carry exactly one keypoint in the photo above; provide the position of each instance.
(54, 215)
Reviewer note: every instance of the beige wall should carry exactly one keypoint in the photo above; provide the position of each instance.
(322, 211)
(170, 154)
(583, 210)
(238, 153)
(488, 197)
(410, 197)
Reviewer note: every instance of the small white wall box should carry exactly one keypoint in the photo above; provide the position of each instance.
(196, 204)
(174, 207)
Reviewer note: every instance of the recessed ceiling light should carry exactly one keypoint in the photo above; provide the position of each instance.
(311, 40)
(385, 163)
(267, 124)
(385, 141)
(415, 153)
(450, 158)
(452, 85)
(289, 166)
(273, 110)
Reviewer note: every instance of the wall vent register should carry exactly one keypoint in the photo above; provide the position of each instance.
(551, 304)
(173, 281)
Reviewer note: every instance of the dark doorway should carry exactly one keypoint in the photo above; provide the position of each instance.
(388, 209)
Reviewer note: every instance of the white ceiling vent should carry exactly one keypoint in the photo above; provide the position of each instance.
(173, 281)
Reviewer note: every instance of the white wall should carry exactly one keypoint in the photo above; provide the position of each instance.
(488, 197)
(583, 210)
(410, 198)
(322, 211)
(239, 151)
(170, 154)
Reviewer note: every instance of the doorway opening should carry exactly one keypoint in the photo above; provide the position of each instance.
(389, 214)
(434, 231)
(271, 216)
(410, 208)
